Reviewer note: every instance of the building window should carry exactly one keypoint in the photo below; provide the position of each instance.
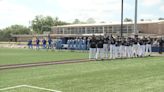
(75, 30)
(130, 29)
(59, 31)
(89, 30)
(108, 29)
(80, 31)
(100, 29)
(95, 29)
(65, 30)
(71, 30)
(117, 29)
(83, 30)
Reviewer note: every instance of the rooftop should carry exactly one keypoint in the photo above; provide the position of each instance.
(110, 23)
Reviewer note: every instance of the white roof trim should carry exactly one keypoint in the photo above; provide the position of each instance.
(106, 24)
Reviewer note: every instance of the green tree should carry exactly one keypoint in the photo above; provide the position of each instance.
(76, 21)
(17, 29)
(5, 34)
(142, 20)
(128, 20)
(58, 22)
(90, 21)
(161, 18)
(44, 23)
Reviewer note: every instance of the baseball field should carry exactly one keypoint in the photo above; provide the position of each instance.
(121, 75)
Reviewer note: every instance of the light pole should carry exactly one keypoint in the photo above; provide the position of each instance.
(122, 14)
(135, 17)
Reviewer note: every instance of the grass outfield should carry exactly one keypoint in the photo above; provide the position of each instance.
(19, 56)
(128, 75)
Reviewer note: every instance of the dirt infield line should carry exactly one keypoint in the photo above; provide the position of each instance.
(14, 66)
(41, 62)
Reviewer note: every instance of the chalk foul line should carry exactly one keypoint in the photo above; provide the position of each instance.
(29, 86)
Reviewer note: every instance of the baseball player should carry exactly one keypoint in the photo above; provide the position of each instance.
(30, 44)
(112, 48)
(99, 53)
(49, 43)
(37, 44)
(92, 48)
(105, 47)
(149, 46)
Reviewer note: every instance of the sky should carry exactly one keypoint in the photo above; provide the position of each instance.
(23, 11)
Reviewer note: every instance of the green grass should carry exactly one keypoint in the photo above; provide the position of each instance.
(25, 89)
(18, 56)
(128, 75)
(22, 43)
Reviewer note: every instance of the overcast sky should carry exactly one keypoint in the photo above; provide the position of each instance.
(22, 11)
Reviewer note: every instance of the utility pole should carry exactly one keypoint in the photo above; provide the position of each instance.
(135, 17)
(122, 14)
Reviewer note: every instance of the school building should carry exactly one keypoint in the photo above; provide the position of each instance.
(151, 28)
(144, 27)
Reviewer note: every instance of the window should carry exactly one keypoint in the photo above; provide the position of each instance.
(65, 30)
(71, 31)
(117, 29)
(108, 29)
(95, 29)
(89, 30)
(75, 30)
(83, 30)
(130, 29)
(100, 29)
(60, 31)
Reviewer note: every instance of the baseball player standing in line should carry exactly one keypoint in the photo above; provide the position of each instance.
(88, 44)
(105, 46)
(84, 44)
(141, 47)
(117, 48)
(160, 41)
(149, 46)
(144, 46)
(99, 53)
(44, 42)
(80, 44)
(122, 48)
(37, 44)
(131, 47)
(112, 48)
(92, 48)
(135, 46)
(68, 42)
(30, 44)
(127, 48)
(49, 43)
(76, 43)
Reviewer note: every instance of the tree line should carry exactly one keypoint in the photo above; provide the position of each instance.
(39, 25)
(5, 34)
